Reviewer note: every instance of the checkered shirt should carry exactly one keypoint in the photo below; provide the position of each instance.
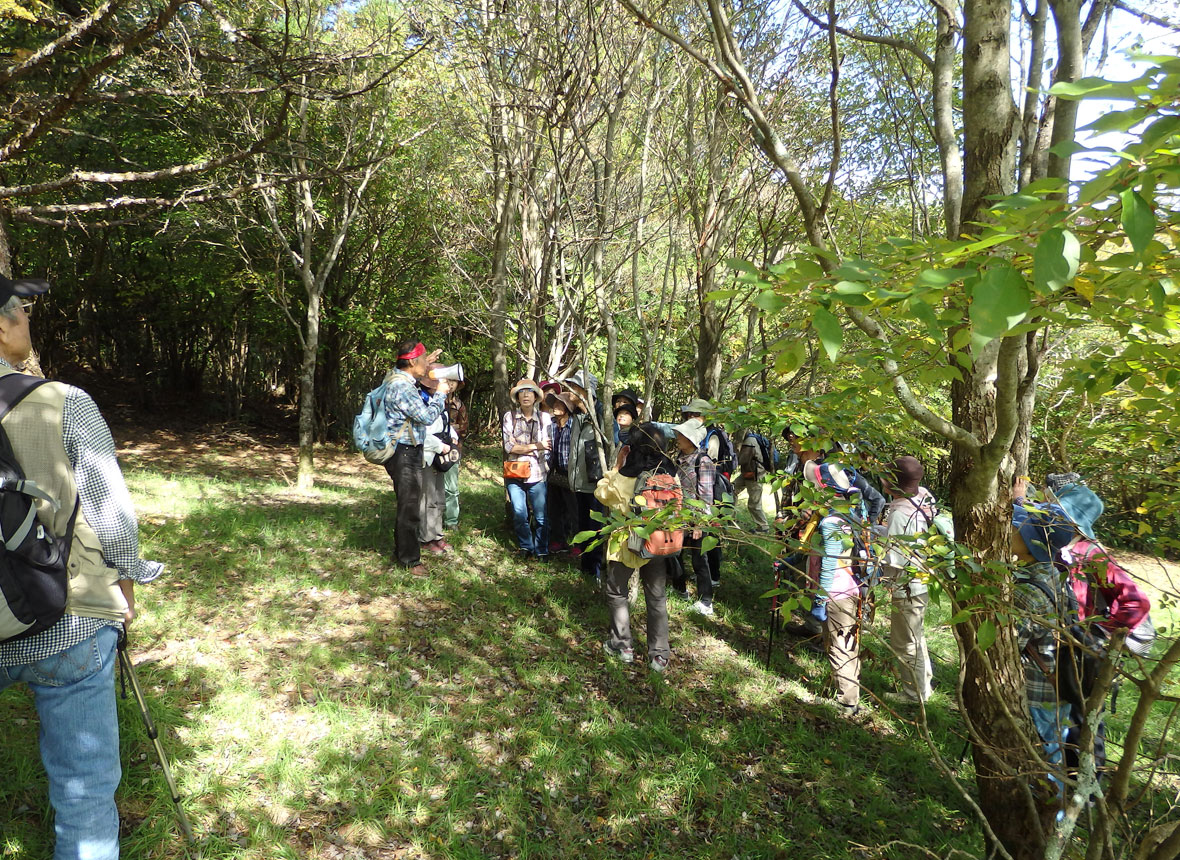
(698, 474)
(1036, 622)
(106, 507)
(406, 414)
(561, 445)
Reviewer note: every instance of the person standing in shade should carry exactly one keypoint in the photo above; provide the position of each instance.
(561, 505)
(616, 491)
(407, 416)
(63, 444)
(458, 415)
(697, 476)
(838, 594)
(911, 512)
(527, 437)
(438, 442)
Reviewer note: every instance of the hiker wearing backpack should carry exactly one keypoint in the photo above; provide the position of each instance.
(527, 439)
(718, 446)
(697, 478)
(831, 565)
(911, 512)
(755, 460)
(650, 473)
(1037, 601)
(407, 416)
(87, 538)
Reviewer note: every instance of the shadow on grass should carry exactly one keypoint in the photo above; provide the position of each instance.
(319, 702)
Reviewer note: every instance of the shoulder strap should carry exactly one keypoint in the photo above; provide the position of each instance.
(14, 387)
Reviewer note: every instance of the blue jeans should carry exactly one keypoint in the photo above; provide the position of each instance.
(522, 496)
(1051, 724)
(74, 692)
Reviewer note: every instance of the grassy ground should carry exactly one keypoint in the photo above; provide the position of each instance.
(318, 702)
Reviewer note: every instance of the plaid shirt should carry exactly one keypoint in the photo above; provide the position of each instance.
(106, 507)
(518, 430)
(692, 467)
(1036, 622)
(406, 415)
(560, 451)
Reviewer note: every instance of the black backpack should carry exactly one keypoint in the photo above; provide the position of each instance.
(1079, 647)
(33, 562)
(726, 458)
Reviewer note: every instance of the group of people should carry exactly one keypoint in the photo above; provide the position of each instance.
(565, 469)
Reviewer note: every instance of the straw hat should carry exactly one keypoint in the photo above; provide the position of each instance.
(525, 385)
(562, 398)
(697, 404)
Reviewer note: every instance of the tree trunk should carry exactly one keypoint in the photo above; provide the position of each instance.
(311, 344)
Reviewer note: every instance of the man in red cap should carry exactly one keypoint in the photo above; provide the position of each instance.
(408, 415)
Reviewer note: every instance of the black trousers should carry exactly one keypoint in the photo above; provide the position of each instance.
(405, 469)
(591, 560)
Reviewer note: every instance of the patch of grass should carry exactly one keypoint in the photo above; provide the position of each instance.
(318, 702)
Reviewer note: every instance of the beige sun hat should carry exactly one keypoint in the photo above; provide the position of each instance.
(526, 385)
(693, 430)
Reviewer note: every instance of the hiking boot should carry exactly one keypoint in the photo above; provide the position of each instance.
(850, 711)
(443, 545)
(659, 663)
(419, 570)
(702, 608)
(623, 654)
(900, 697)
(683, 595)
(716, 583)
(433, 548)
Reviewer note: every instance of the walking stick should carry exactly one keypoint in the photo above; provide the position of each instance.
(129, 673)
(773, 613)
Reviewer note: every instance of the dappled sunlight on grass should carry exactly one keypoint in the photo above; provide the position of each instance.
(319, 702)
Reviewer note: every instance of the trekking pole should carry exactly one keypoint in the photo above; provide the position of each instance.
(129, 673)
(773, 614)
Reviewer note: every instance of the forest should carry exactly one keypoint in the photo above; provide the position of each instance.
(942, 229)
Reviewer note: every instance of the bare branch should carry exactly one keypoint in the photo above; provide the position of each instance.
(62, 105)
(78, 177)
(904, 44)
(43, 55)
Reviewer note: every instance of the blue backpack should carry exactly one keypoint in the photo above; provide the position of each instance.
(370, 432)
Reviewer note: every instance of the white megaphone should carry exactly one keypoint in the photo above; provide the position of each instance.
(453, 372)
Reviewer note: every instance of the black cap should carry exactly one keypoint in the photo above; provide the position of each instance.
(22, 287)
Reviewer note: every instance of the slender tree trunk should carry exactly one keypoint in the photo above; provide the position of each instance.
(311, 345)
(5, 251)
(945, 134)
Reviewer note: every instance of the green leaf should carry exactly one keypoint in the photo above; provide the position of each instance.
(581, 537)
(925, 315)
(1055, 260)
(1000, 300)
(985, 636)
(829, 331)
(1118, 120)
(742, 266)
(940, 277)
(1138, 220)
(770, 301)
(708, 543)
(790, 358)
(847, 288)
(722, 295)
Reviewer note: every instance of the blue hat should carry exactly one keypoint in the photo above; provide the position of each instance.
(1082, 505)
(1045, 529)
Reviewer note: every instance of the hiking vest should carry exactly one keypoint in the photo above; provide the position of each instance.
(34, 428)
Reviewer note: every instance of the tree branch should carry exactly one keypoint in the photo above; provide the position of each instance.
(44, 54)
(904, 44)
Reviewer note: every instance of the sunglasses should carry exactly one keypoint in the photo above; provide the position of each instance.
(27, 307)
